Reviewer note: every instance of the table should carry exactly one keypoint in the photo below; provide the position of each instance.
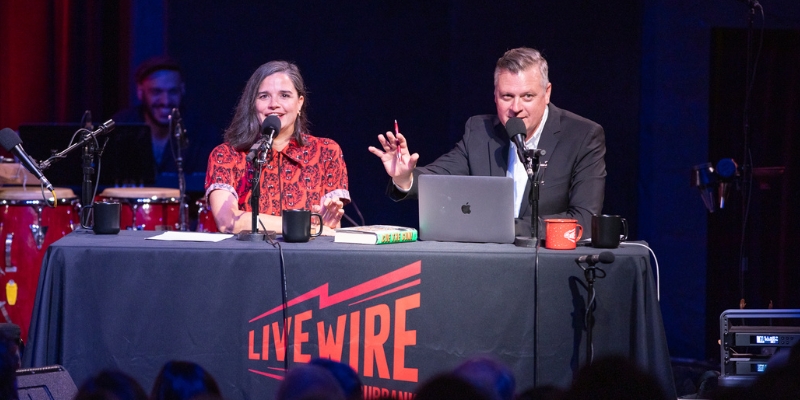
(398, 313)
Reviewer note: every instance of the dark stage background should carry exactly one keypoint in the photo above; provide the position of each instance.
(646, 70)
(767, 277)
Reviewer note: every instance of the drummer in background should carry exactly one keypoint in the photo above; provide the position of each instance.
(301, 171)
(160, 87)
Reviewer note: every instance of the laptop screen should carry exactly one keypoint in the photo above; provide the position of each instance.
(477, 209)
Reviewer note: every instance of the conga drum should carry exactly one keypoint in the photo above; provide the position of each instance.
(205, 220)
(146, 208)
(28, 225)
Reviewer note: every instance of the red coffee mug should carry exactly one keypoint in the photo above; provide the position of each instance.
(562, 234)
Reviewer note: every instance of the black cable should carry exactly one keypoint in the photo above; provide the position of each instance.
(537, 177)
(747, 167)
(284, 306)
(591, 274)
(588, 321)
(284, 302)
(99, 165)
(752, 77)
(536, 311)
(46, 197)
(745, 216)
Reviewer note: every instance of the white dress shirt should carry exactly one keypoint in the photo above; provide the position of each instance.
(516, 169)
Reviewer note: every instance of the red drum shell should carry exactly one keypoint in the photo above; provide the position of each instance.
(146, 208)
(205, 219)
(27, 228)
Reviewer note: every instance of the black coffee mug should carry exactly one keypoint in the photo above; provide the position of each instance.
(608, 231)
(106, 218)
(297, 225)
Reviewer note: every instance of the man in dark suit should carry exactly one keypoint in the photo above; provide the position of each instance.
(573, 169)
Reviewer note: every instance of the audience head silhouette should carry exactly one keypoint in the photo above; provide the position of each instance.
(449, 387)
(309, 382)
(111, 385)
(614, 378)
(546, 392)
(182, 380)
(491, 376)
(344, 374)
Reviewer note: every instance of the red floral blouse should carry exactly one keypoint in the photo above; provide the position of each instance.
(293, 179)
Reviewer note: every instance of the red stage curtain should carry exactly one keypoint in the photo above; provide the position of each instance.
(59, 58)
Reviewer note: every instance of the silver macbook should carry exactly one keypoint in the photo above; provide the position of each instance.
(455, 208)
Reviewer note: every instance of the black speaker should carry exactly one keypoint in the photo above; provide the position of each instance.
(45, 383)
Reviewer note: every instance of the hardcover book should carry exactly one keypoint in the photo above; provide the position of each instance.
(375, 234)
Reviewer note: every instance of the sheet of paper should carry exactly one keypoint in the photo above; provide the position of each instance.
(178, 236)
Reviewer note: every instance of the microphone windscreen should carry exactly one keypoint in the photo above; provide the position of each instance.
(606, 257)
(726, 167)
(9, 139)
(514, 127)
(272, 122)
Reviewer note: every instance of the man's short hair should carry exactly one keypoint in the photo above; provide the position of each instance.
(521, 59)
(158, 63)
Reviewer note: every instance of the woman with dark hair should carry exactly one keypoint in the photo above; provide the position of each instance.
(183, 380)
(301, 171)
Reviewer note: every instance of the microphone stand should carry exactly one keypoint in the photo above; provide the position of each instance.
(747, 163)
(253, 235)
(87, 198)
(180, 136)
(87, 142)
(532, 168)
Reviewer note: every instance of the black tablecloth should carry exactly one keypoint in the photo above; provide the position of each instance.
(398, 313)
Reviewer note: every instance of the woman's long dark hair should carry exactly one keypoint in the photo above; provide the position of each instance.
(245, 128)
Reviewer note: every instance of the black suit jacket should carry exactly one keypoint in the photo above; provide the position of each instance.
(573, 170)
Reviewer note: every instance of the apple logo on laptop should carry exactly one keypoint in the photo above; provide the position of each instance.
(465, 208)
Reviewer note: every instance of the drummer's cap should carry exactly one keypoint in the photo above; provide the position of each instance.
(158, 63)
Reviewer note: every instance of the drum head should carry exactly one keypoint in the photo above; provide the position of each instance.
(31, 193)
(153, 193)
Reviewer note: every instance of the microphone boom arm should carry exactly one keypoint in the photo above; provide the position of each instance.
(106, 127)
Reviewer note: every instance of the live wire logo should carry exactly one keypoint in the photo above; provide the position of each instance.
(365, 326)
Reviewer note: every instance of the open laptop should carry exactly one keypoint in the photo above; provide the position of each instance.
(126, 160)
(478, 209)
